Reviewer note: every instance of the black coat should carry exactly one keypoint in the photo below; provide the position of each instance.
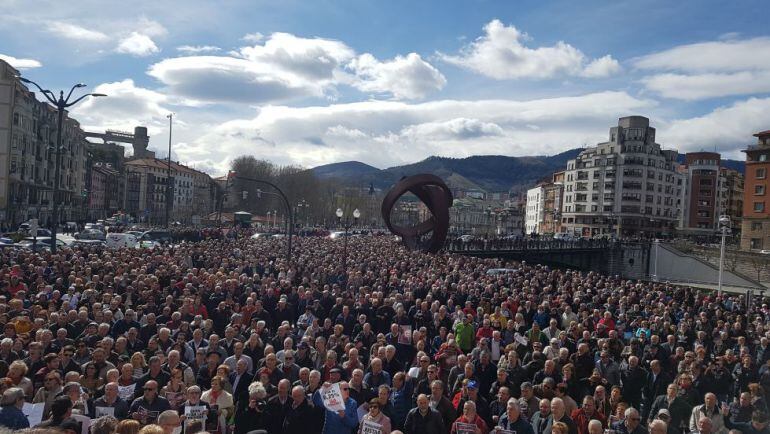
(431, 423)
(297, 419)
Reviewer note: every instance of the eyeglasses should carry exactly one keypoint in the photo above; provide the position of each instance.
(289, 358)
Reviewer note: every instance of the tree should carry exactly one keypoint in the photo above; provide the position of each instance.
(759, 263)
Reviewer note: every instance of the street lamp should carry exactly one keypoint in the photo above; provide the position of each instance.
(347, 224)
(724, 226)
(303, 204)
(169, 183)
(61, 105)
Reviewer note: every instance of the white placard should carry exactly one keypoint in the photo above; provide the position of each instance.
(104, 411)
(195, 412)
(127, 392)
(332, 398)
(84, 421)
(34, 412)
(414, 371)
(371, 427)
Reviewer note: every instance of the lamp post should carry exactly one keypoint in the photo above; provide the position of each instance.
(302, 204)
(724, 226)
(61, 105)
(169, 183)
(287, 204)
(347, 224)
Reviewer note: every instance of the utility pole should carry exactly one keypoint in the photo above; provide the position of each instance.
(169, 185)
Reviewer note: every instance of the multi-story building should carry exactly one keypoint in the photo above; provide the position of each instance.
(105, 192)
(628, 186)
(28, 130)
(731, 194)
(192, 192)
(755, 227)
(543, 208)
(702, 204)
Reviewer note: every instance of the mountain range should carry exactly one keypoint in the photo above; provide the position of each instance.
(490, 173)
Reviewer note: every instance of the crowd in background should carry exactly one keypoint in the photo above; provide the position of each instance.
(416, 343)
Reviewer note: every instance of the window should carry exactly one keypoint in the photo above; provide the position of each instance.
(759, 190)
(761, 173)
(759, 207)
(763, 157)
(756, 243)
(756, 226)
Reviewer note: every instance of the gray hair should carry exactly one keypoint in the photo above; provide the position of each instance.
(594, 422)
(104, 425)
(514, 403)
(10, 396)
(257, 390)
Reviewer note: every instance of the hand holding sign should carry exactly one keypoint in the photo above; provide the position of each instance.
(332, 398)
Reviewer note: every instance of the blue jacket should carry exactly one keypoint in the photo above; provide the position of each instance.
(13, 418)
(401, 400)
(520, 426)
(333, 423)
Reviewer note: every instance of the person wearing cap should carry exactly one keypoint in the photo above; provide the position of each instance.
(471, 393)
(11, 415)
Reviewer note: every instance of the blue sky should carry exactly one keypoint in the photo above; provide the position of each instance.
(386, 83)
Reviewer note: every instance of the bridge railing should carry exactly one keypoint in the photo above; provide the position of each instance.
(525, 244)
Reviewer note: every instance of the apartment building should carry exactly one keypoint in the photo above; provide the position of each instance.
(628, 186)
(28, 130)
(755, 227)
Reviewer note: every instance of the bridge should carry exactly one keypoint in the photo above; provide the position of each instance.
(613, 257)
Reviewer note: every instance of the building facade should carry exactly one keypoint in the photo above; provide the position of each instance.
(628, 186)
(192, 193)
(534, 209)
(105, 192)
(28, 130)
(703, 203)
(755, 227)
(544, 206)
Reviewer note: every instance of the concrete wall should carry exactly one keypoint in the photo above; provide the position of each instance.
(668, 263)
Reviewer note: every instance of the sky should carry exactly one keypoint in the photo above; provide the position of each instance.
(393, 82)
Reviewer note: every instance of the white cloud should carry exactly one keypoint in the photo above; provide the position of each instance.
(386, 133)
(125, 107)
(137, 44)
(701, 86)
(21, 63)
(709, 69)
(197, 49)
(726, 129)
(72, 31)
(720, 56)
(407, 77)
(501, 54)
(287, 67)
(253, 37)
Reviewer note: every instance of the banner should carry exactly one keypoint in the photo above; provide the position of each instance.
(332, 398)
(371, 427)
(127, 392)
(34, 412)
(104, 411)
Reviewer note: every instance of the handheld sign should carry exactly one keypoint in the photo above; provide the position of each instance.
(332, 398)
(34, 412)
(104, 411)
(126, 392)
(371, 427)
(465, 428)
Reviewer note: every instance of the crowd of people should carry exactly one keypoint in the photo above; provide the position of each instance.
(224, 336)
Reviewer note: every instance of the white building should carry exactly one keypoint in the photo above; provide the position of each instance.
(625, 187)
(535, 208)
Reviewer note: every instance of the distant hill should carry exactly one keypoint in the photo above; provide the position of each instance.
(490, 173)
(484, 172)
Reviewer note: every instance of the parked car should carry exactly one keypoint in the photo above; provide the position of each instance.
(90, 234)
(121, 240)
(41, 243)
(157, 235)
(764, 252)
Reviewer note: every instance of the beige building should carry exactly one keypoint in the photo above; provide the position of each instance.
(146, 186)
(628, 186)
(27, 158)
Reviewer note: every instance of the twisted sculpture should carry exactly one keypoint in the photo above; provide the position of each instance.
(436, 196)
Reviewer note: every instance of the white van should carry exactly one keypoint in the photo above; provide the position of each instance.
(120, 240)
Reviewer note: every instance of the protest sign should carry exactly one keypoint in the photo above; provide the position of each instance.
(465, 428)
(414, 372)
(371, 427)
(127, 392)
(405, 337)
(34, 412)
(104, 411)
(195, 412)
(332, 398)
(499, 430)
